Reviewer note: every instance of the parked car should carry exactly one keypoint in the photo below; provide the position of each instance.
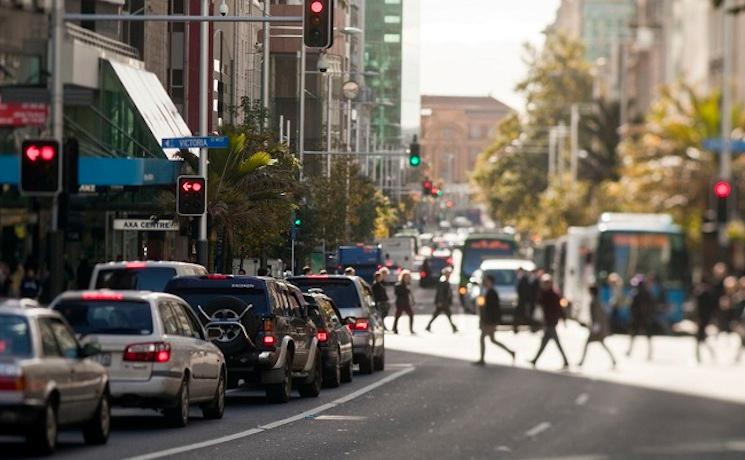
(504, 272)
(140, 275)
(47, 380)
(353, 297)
(155, 349)
(334, 339)
(262, 327)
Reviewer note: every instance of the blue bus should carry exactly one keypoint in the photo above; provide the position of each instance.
(365, 259)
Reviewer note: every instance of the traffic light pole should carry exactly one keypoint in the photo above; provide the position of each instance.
(204, 71)
(56, 239)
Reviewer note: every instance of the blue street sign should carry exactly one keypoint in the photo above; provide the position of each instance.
(206, 142)
(715, 145)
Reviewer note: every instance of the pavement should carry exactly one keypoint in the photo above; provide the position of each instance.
(432, 403)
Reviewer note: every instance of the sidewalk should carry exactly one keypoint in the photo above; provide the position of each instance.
(673, 367)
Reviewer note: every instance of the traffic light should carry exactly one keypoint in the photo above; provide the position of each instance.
(427, 187)
(40, 167)
(318, 24)
(722, 191)
(191, 196)
(415, 154)
(297, 222)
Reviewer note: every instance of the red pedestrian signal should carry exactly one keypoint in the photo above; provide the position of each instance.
(40, 167)
(318, 24)
(722, 189)
(191, 199)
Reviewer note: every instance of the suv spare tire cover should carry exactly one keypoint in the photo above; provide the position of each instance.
(229, 308)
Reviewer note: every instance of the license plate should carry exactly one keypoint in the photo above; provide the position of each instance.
(103, 359)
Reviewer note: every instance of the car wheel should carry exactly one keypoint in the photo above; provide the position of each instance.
(96, 430)
(178, 416)
(366, 363)
(347, 371)
(279, 393)
(313, 388)
(43, 436)
(332, 377)
(379, 362)
(216, 408)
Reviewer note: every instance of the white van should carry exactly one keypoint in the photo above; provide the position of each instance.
(399, 253)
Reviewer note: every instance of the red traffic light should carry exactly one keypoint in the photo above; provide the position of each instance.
(316, 7)
(722, 189)
(45, 152)
(190, 186)
(427, 184)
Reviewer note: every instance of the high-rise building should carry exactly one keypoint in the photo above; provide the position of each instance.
(383, 64)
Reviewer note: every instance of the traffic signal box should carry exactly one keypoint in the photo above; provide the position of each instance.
(318, 24)
(722, 192)
(40, 168)
(415, 154)
(191, 196)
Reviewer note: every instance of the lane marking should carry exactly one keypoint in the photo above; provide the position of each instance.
(272, 425)
(582, 399)
(538, 429)
(340, 418)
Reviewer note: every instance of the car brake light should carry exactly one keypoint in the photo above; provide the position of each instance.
(14, 383)
(423, 274)
(361, 324)
(135, 265)
(269, 341)
(153, 352)
(323, 336)
(218, 276)
(102, 296)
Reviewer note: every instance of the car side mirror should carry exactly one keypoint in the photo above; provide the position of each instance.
(89, 349)
(214, 333)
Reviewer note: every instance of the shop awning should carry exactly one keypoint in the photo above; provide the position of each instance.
(153, 103)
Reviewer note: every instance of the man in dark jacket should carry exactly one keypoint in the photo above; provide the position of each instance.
(491, 317)
(707, 304)
(550, 302)
(524, 294)
(380, 295)
(642, 313)
(443, 300)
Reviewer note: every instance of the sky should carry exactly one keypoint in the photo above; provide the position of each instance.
(475, 47)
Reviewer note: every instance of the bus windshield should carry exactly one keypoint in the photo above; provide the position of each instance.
(632, 253)
(477, 250)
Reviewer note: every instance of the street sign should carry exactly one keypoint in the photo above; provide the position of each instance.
(204, 142)
(146, 225)
(715, 145)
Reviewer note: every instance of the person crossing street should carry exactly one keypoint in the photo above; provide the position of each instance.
(491, 317)
(550, 302)
(443, 300)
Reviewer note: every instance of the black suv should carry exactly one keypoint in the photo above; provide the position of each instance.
(334, 338)
(264, 331)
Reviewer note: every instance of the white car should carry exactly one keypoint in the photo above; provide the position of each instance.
(150, 275)
(154, 347)
(504, 272)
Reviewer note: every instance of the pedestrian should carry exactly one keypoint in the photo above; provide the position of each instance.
(443, 299)
(535, 292)
(241, 272)
(550, 302)
(642, 320)
(404, 300)
(350, 271)
(659, 302)
(323, 272)
(617, 301)
(380, 296)
(599, 326)
(490, 318)
(706, 306)
(307, 271)
(727, 305)
(5, 281)
(30, 285)
(524, 294)
(741, 331)
(83, 274)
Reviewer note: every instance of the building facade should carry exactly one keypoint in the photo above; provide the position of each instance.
(454, 131)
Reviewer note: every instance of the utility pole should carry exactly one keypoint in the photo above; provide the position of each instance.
(56, 239)
(725, 162)
(265, 64)
(204, 72)
(551, 152)
(301, 116)
(574, 140)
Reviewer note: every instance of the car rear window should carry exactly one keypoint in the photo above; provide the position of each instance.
(15, 339)
(503, 277)
(343, 292)
(108, 318)
(201, 297)
(138, 279)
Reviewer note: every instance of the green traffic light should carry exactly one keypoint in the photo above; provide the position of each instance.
(415, 160)
(298, 222)
(439, 193)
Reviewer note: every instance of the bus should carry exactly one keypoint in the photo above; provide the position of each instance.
(476, 248)
(627, 245)
(365, 259)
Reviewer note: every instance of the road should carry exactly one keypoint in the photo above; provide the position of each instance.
(429, 405)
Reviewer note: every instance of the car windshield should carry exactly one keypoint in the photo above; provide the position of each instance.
(15, 340)
(342, 291)
(503, 277)
(107, 318)
(139, 279)
(203, 297)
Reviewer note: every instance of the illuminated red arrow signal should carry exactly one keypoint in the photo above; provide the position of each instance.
(33, 152)
(40, 167)
(191, 198)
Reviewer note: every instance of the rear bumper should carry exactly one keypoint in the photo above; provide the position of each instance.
(362, 345)
(16, 418)
(159, 391)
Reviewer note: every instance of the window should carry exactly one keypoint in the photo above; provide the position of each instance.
(185, 321)
(49, 347)
(168, 318)
(65, 339)
(110, 318)
(392, 19)
(392, 38)
(15, 337)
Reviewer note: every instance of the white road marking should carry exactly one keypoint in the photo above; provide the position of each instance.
(582, 399)
(278, 423)
(538, 429)
(337, 418)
